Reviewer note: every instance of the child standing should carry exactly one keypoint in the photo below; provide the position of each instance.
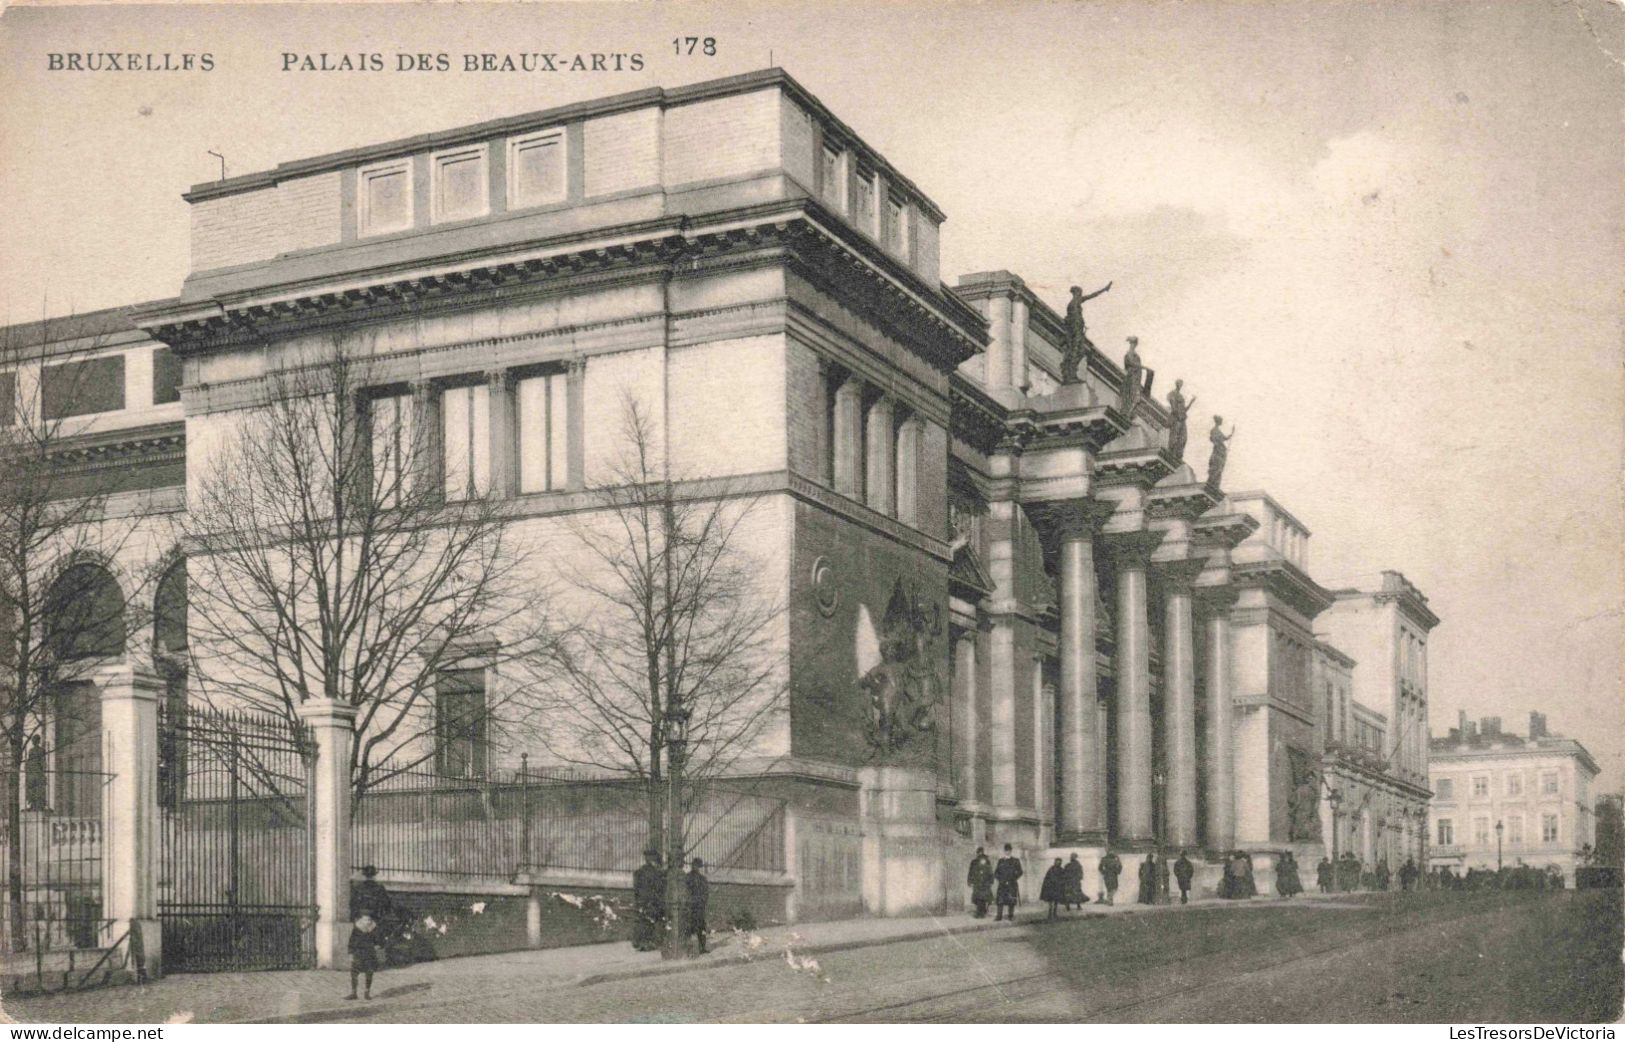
(365, 941)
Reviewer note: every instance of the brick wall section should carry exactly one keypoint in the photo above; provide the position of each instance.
(804, 411)
(728, 407)
(252, 226)
(622, 152)
(723, 137)
(927, 250)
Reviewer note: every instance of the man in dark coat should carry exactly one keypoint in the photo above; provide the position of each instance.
(369, 896)
(699, 894)
(1111, 866)
(649, 901)
(1148, 879)
(1183, 871)
(1323, 875)
(980, 881)
(1073, 876)
(1053, 890)
(1383, 877)
(1407, 874)
(1287, 882)
(1007, 874)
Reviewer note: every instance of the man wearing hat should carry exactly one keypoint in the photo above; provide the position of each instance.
(699, 893)
(648, 897)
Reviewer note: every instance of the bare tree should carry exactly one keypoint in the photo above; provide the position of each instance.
(671, 666)
(327, 560)
(62, 613)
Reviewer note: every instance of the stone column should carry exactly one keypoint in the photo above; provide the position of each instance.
(575, 384)
(907, 507)
(1179, 701)
(1220, 766)
(129, 702)
(1134, 818)
(1018, 345)
(964, 715)
(332, 725)
(1001, 653)
(1080, 818)
(997, 358)
(847, 451)
(882, 455)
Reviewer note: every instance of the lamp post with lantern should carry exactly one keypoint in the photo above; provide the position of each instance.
(1499, 827)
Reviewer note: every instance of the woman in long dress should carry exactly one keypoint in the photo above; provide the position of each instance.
(1286, 875)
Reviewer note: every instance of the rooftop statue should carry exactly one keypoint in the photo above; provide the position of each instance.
(1178, 408)
(1136, 378)
(1221, 452)
(1077, 344)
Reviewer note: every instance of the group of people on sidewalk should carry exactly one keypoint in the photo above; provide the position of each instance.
(649, 903)
(998, 883)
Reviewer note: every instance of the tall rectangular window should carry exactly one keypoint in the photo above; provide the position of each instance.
(1481, 785)
(896, 225)
(384, 197)
(832, 179)
(1548, 828)
(460, 715)
(1514, 784)
(544, 432)
(536, 169)
(390, 420)
(1481, 832)
(1548, 784)
(166, 377)
(82, 388)
(1515, 830)
(467, 439)
(459, 184)
(1447, 833)
(1445, 789)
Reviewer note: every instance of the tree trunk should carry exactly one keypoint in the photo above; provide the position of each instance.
(676, 945)
(14, 844)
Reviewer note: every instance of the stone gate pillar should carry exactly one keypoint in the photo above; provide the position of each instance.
(129, 699)
(332, 727)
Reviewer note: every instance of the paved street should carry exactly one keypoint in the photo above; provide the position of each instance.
(1462, 958)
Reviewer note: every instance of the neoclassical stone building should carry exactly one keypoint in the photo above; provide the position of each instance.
(1126, 652)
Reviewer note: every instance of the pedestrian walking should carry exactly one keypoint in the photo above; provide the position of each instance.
(1111, 866)
(980, 881)
(649, 902)
(1053, 889)
(1183, 871)
(1148, 879)
(1075, 897)
(1323, 875)
(1007, 874)
(1408, 873)
(365, 940)
(699, 895)
(1287, 882)
(1383, 875)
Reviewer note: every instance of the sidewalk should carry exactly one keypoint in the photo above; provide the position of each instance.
(294, 996)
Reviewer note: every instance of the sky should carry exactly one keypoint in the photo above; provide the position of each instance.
(1383, 238)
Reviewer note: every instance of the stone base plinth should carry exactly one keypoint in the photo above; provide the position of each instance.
(902, 841)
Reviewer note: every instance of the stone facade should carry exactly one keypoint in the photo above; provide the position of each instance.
(1122, 655)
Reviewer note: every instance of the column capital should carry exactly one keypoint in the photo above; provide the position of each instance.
(328, 711)
(499, 379)
(1068, 518)
(1132, 549)
(1215, 600)
(1179, 575)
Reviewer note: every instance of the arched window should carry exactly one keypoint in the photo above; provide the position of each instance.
(84, 614)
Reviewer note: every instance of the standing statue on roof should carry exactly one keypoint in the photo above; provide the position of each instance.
(1178, 409)
(1077, 344)
(1221, 453)
(1136, 378)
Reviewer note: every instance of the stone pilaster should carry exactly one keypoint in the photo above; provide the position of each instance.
(882, 456)
(847, 458)
(965, 713)
(332, 726)
(129, 703)
(501, 437)
(427, 454)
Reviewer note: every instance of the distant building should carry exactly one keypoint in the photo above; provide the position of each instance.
(1500, 796)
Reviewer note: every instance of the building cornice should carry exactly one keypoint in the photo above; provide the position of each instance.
(1287, 581)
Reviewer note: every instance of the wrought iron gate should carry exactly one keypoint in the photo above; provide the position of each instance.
(235, 883)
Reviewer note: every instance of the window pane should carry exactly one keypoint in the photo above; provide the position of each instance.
(460, 723)
(80, 388)
(460, 186)
(391, 447)
(538, 170)
(166, 377)
(387, 203)
(558, 436)
(533, 432)
(466, 411)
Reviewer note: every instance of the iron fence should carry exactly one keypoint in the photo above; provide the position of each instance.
(51, 867)
(419, 821)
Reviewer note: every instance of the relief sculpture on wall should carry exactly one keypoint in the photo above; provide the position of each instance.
(899, 675)
(1303, 798)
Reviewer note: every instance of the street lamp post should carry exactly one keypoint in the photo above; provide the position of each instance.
(1335, 799)
(676, 720)
(1498, 828)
